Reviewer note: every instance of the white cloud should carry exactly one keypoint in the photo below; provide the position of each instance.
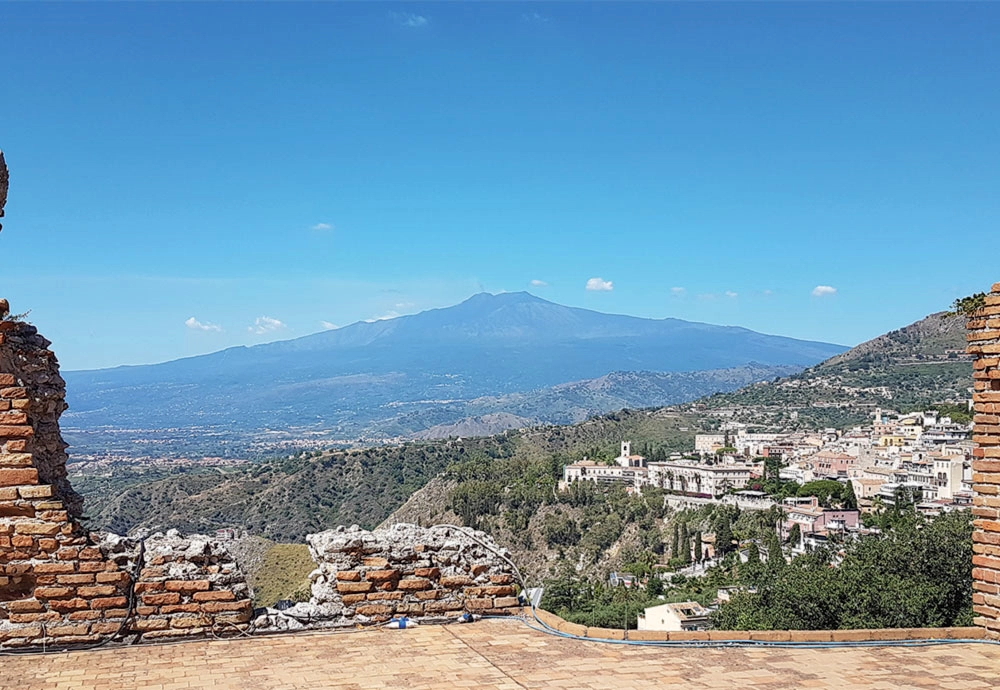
(265, 324)
(327, 326)
(539, 283)
(408, 19)
(385, 317)
(600, 285)
(730, 293)
(196, 325)
(322, 227)
(678, 291)
(824, 291)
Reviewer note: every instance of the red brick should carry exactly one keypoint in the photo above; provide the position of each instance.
(64, 605)
(414, 584)
(456, 581)
(355, 587)
(25, 606)
(375, 610)
(47, 617)
(187, 586)
(222, 606)
(54, 592)
(76, 579)
(20, 541)
(65, 630)
(986, 562)
(478, 604)
(105, 628)
(349, 576)
(382, 575)
(16, 477)
(223, 595)
(161, 599)
(115, 577)
(432, 573)
(109, 603)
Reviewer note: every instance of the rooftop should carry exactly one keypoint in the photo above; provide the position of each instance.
(492, 654)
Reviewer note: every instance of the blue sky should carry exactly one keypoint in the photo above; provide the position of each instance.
(187, 177)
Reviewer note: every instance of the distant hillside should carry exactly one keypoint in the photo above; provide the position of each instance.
(909, 368)
(389, 379)
(286, 499)
(576, 401)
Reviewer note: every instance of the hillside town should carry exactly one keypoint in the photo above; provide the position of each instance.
(924, 456)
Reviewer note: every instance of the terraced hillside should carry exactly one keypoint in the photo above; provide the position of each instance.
(917, 366)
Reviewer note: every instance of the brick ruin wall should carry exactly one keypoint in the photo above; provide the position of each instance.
(59, 583)
(430, 574)
(984, 345)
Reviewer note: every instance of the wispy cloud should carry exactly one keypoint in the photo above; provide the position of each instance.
(539, 283)
(265, 324)
(824, 291)
(678, 291)
(385, 317)
(408, 19)
(327, 326)
(322, 227)
(534, 18)
(730, 293)
(600, 285)
(196, 325)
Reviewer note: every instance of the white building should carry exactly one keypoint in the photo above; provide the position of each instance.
(686, 615)
(628, 469)
(704, 480)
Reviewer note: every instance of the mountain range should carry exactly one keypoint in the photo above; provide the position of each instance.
(510, 353)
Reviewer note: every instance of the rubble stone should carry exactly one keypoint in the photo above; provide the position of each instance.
(365, 578)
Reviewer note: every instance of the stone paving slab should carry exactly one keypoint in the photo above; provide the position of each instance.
(492, 654)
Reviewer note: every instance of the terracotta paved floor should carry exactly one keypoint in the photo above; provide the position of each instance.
(492, 654)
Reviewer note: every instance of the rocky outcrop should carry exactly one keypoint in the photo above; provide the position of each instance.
(422, 573)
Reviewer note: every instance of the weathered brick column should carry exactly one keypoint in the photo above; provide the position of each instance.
(984, 345)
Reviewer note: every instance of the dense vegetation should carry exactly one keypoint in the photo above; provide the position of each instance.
(915, 574)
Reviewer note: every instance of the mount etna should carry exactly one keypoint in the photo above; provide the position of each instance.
(511, 358)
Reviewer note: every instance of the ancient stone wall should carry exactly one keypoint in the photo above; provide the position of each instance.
(984, 345)
(61, 585)
(422, 573)
(32, 397)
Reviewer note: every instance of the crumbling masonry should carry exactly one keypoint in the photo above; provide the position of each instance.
(60, 584)
(984, 344)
